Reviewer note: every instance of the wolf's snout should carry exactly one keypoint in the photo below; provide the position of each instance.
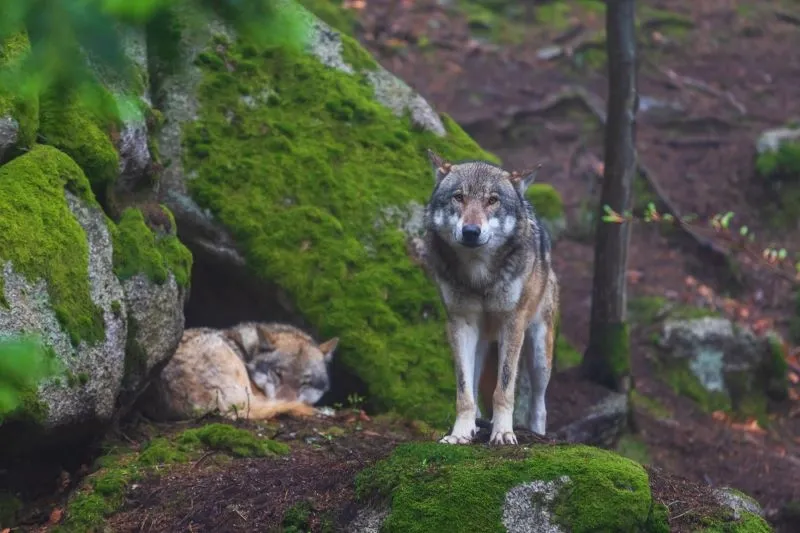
(471, 234)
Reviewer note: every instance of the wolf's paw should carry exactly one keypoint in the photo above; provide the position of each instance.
(503, 437)
(463, 433)
(452, 439)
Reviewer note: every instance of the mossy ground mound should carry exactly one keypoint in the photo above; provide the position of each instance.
(103, 492)
(434, 487)
(300, 179)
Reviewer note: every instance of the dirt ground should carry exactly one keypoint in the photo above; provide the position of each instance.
(707, 89)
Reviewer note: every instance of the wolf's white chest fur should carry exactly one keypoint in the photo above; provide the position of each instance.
(503, 296)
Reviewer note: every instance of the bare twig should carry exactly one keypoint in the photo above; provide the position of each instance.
(203, 458)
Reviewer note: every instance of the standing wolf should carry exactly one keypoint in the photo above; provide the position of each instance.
(489, 255)
(252, 370)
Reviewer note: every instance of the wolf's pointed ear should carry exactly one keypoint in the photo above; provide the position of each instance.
(328, 347)
(523, 180)
(441, 167)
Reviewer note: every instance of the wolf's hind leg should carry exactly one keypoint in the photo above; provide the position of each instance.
(481, 352)
(538, 349)
(463, 336)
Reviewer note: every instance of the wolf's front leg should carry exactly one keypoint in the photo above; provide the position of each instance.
(463, 334)
(511, 338)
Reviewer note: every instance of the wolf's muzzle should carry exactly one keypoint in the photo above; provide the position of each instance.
(471, 235)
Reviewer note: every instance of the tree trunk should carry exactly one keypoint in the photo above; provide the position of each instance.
(607, 357)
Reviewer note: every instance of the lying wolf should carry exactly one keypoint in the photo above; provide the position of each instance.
(489, 256)
(252, 370)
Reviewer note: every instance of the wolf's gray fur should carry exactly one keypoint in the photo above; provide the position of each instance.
(490, 258)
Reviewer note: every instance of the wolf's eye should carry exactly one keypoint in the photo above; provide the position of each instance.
(493, 200)
(458, 197)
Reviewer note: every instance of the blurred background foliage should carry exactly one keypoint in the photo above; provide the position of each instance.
(72, 40)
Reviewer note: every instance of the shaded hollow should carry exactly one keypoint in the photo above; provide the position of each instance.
(223, 295)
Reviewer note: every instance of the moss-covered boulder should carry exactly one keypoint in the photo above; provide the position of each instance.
(723, 366)
(548, 488)
(19, 111)
(76, 279)
(304, 165)
(59, 282)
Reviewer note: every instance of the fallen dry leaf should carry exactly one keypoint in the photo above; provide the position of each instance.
(56, 515)
(634, 276)
(363, 416)
(750, 427)
(6, 530)
(370, 433)
(719, 415)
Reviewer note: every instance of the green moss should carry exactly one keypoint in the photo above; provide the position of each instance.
(21, 103)
(100, 495)
(336, 159)
(546, 201)
(235, 441)
(10, 505)
(634, 448)
(77, 131)
(3, 300)
(566, 355)
(780, 170)
(610, 359)
(161, 451)
(685, 383)
(137, 249)
(435, 487)
(135, 354)
(652, 406)
(355, 56)
(747, 523)
(37, 226)
(647, 310)
(333, 14)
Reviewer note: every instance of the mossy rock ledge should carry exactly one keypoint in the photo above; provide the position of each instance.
(546, 488)
(307, 168)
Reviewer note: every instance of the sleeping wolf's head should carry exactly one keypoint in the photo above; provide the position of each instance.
(475, 204)
(285, 362)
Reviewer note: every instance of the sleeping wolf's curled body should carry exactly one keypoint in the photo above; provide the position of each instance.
(489, 256)
(252, 370)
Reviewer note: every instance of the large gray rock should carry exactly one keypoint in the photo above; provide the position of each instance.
(9, 133)
(155, 322)
(724, 358)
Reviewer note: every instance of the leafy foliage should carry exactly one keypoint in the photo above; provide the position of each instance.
(73, 40)
(23, 362)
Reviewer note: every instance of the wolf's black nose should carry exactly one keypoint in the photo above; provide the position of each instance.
(470, 233)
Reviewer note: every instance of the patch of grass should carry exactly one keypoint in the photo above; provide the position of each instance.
(161, 451)
(565, 354)
(336, 159)
(38, 227)
(435, 487)
(647, 310)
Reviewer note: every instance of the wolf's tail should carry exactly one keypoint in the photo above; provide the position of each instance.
(264, 410)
